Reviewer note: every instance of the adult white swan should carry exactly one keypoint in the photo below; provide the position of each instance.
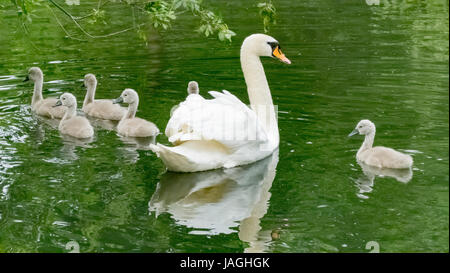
(224, 132)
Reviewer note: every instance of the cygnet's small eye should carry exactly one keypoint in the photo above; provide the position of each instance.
(125, 95)
(360, 126)
(64, 98)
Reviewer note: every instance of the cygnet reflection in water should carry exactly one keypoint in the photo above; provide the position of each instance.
(130, 152)
(366, 182)
(140, 143)
(68, 150)
(214, 202)
(39, 131)
(105, 124)
(52, 123)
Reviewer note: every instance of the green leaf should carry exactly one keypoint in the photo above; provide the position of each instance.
(268, 12)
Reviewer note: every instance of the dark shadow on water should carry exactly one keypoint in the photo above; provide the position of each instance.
(365, 183)
(216, 202)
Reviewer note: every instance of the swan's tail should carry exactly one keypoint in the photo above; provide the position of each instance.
(173, 160)
(193, 156)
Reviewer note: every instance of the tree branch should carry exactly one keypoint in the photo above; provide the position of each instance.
(74, 20)
(63, 28)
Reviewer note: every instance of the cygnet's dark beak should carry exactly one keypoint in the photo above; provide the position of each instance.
(118, 100)
(354, 132)
(58, 103)
(26, 79)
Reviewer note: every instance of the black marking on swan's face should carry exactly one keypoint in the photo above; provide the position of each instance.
(276, 52)
(274, 45)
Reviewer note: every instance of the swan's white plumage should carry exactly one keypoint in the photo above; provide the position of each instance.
(39, 105)
(381, 157)
(196, 128)
(137, 127)
(71, 124)
(102, 108)
(223, 131)
(130, 125)
(45, 108)
(76, 126)
(224, 119)
(192, 91)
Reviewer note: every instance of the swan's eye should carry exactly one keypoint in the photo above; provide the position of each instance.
(64, 98)
(360, 126)
(273, 45)
(125, 95)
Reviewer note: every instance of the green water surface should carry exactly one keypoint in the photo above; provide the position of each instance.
(387, 63)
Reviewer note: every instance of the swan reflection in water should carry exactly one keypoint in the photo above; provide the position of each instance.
(216, 202)
(365, 183)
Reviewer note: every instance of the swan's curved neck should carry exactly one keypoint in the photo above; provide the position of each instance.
(37, 93)
(132, 108)
(70, 112)
(259, 94)
(90, 94)
(368, 142)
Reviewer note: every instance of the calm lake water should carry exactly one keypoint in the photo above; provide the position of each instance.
(350, 61)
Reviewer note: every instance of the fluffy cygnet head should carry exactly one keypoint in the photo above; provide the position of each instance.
(264, 45)
(364, 127)
(193, 87)
(34, 74)
(67, 100)
(128, 96)
(89, 80)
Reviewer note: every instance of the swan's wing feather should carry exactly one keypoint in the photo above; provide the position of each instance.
(181, 115)
(215, 94)
(224, 119)
(227, 98)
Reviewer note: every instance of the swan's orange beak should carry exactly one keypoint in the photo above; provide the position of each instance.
(280, 56)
